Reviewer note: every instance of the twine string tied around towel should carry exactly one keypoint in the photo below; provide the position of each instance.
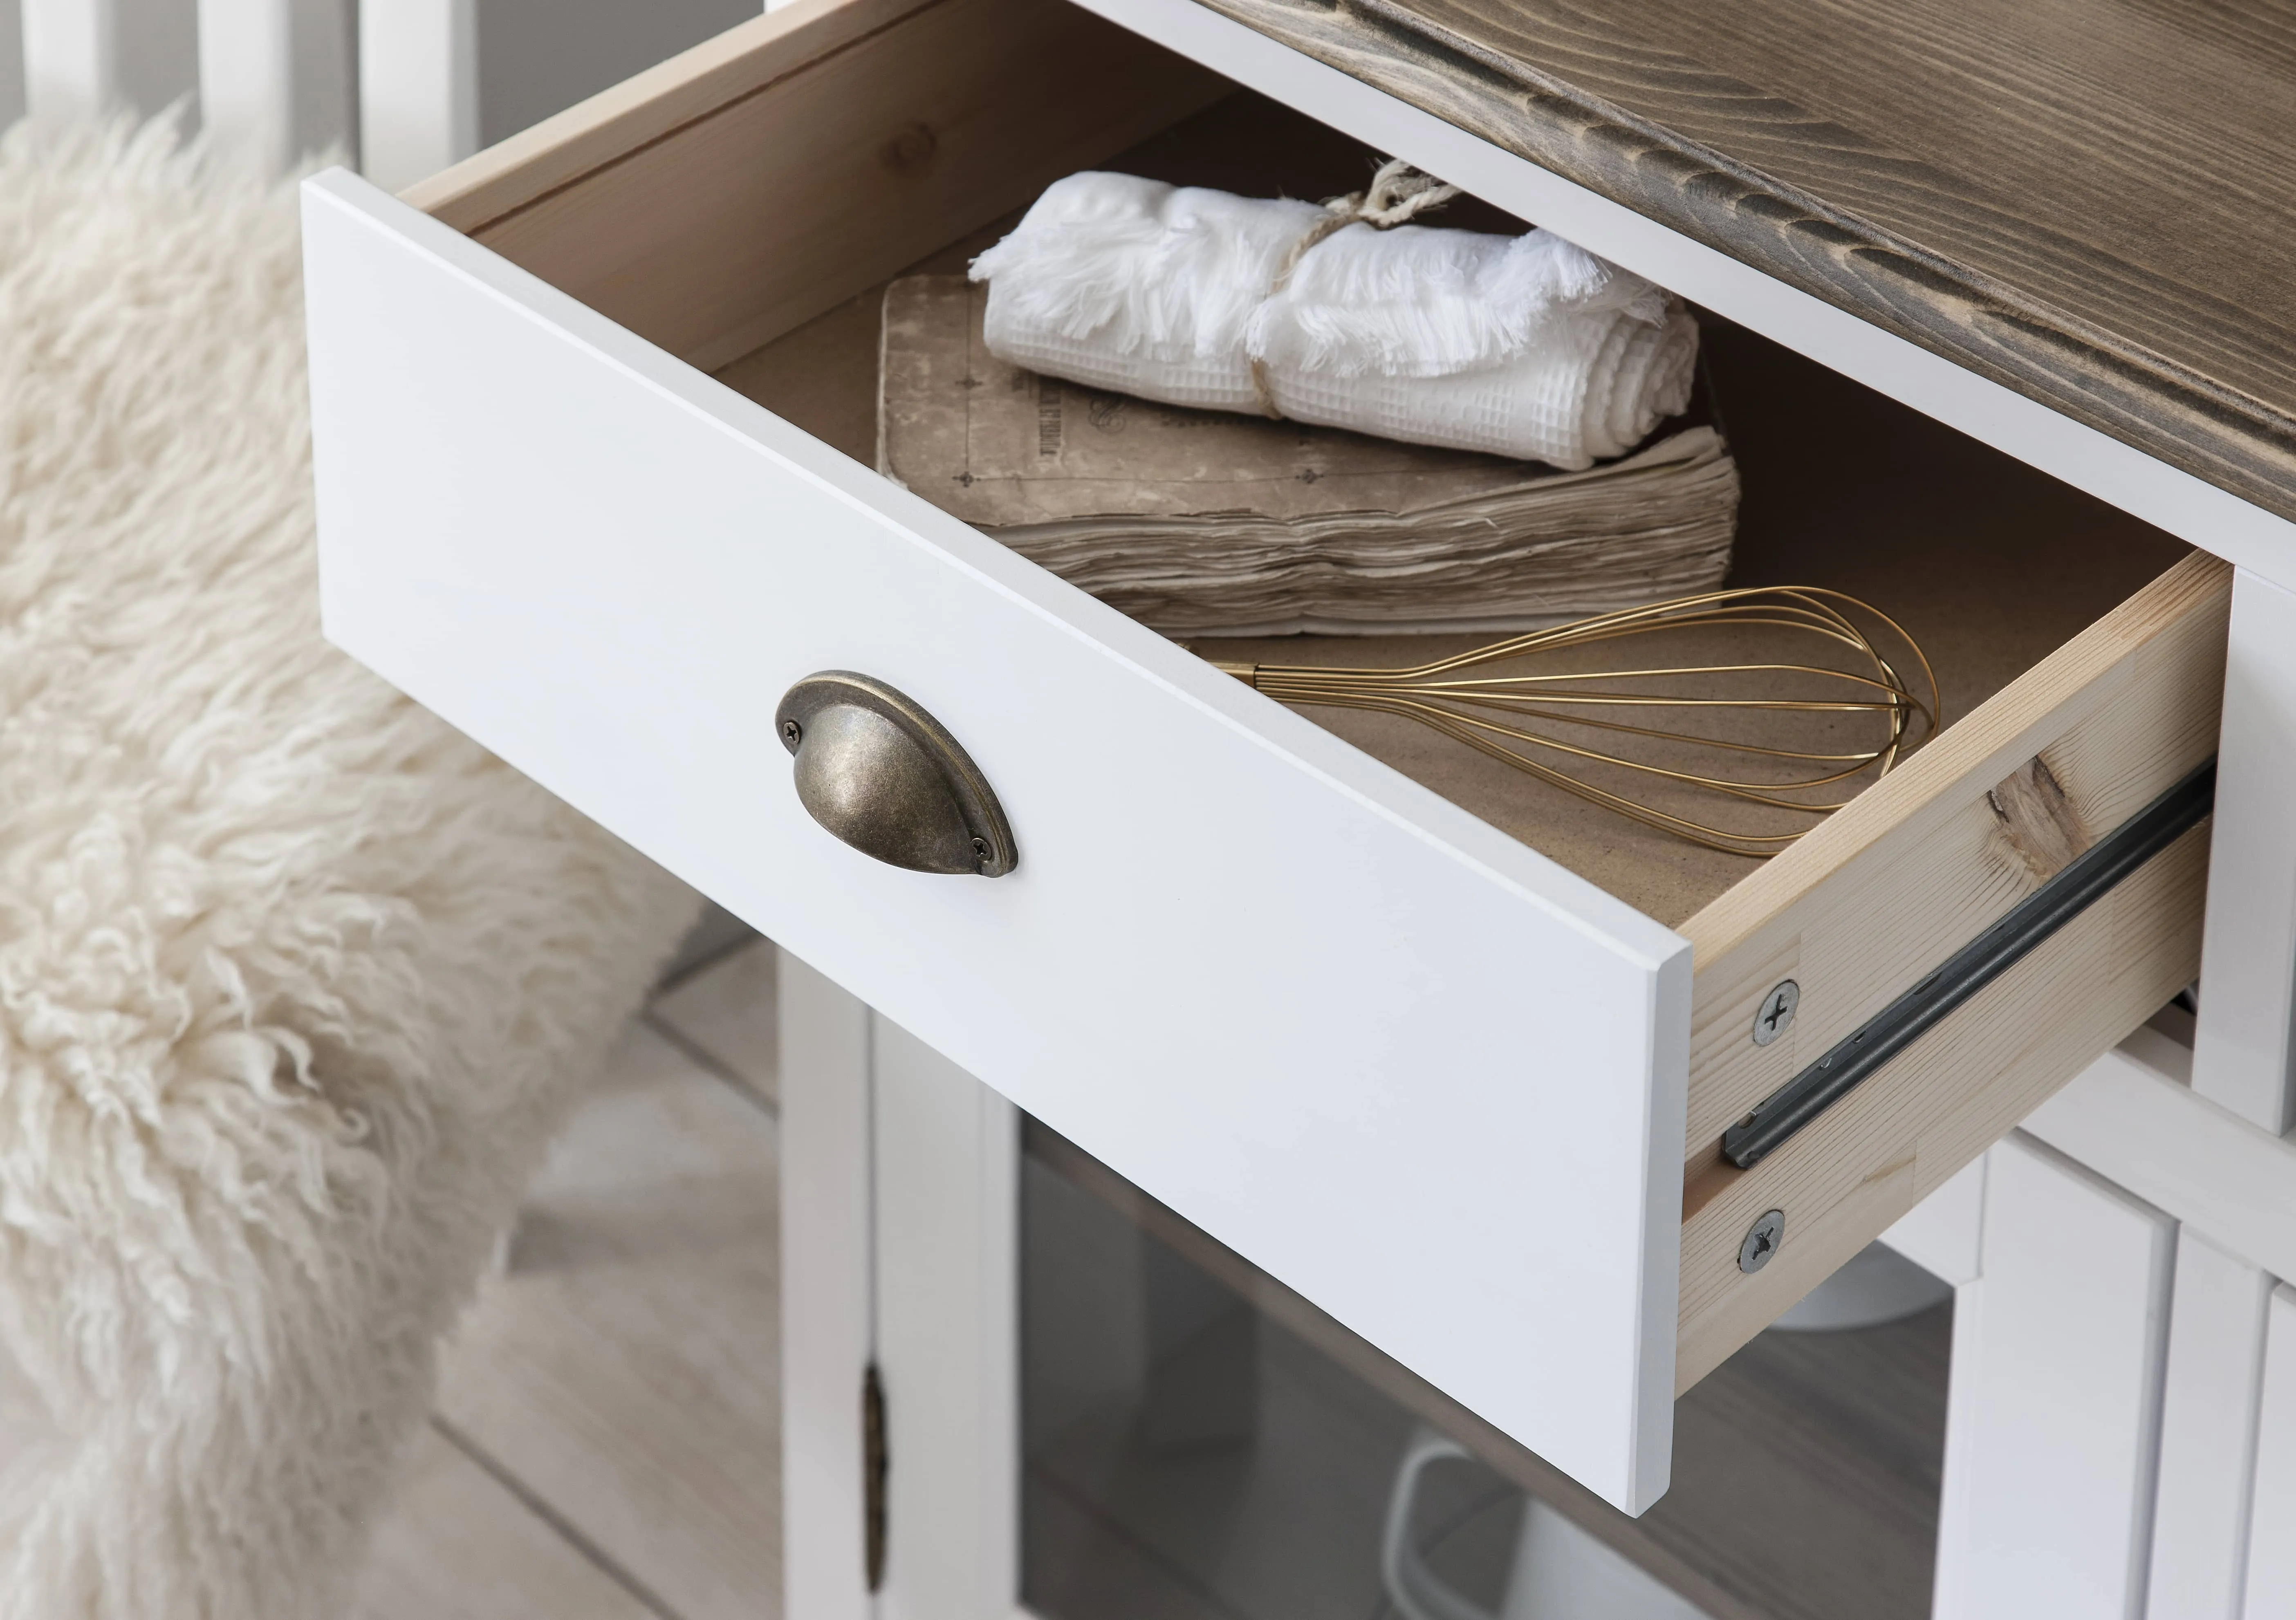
(1397, 194)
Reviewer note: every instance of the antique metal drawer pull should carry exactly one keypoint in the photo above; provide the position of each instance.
(880, 772)
(1977, 964)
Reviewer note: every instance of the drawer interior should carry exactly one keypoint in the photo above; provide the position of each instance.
(1988, 564)
(743, 206)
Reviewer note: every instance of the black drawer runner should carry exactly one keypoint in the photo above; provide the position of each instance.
(1865, 1050)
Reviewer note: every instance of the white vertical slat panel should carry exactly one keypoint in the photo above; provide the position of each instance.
(2208, 1433)
(156, 55)
(2127, 1118)
(533, 62)
(418, 95)
(1954, 1566)
(323, 69)
(2272, 1525)
(826, 1290)
(2053, 1419)
(2248, 946)
(1943, 1232)
(70, 58)
(276, 74)
(84, 56)
(11, 61)
(247, 75)
(947, 1209)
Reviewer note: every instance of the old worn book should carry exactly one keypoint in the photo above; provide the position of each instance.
(1207, 523)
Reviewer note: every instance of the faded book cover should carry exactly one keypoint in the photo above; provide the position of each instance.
(1206, 523)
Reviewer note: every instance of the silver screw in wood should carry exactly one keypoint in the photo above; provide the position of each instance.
(1775, 1015)
(1762, 1240)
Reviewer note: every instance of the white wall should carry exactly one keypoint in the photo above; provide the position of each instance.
(286, 72)
(537, 57)
(11, 61)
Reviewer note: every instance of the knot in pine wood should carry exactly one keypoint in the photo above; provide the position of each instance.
(2040, 821)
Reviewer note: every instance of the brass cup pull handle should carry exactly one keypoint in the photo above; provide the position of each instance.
(878, 772)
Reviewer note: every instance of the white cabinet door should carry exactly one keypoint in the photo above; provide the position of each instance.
(2208, 1433)
(828, 1233)
(946, 1173)
(2272, 1518)
(2058, 1350)
(899, 1230)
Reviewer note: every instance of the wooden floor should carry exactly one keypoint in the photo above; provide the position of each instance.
(607, 1441)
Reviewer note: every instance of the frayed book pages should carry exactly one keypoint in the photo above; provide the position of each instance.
(1202, 523)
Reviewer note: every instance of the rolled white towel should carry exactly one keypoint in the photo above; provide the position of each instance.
(1520, 345)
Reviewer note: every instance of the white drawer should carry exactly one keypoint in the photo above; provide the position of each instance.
(1466, 1100)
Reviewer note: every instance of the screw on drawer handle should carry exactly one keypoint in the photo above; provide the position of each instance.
(877, 771)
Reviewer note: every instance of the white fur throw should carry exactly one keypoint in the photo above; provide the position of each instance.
(294, 980)
(1521, 346)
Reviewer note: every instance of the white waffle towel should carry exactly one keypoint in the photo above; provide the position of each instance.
(1519, 346)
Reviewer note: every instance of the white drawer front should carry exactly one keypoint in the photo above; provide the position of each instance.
(1404, 1064)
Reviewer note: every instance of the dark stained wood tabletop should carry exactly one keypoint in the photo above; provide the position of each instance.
(2093, 201)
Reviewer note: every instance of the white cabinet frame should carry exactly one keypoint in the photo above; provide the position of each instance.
(2270, 1592)
(2203, 1205)
(2210, 1402)
(2242, 1057)
(2124, 1376)
(2054, 1421)
(900, 1253)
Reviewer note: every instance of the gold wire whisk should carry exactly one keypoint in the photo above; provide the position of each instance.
(1589, 718)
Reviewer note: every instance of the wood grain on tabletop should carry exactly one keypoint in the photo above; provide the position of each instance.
(2090, 203)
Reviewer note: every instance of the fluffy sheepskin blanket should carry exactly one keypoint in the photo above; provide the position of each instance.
(295, 981)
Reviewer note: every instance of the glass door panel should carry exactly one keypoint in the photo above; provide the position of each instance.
(1199, 1444)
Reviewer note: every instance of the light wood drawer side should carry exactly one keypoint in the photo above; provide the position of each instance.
(1859, 912)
